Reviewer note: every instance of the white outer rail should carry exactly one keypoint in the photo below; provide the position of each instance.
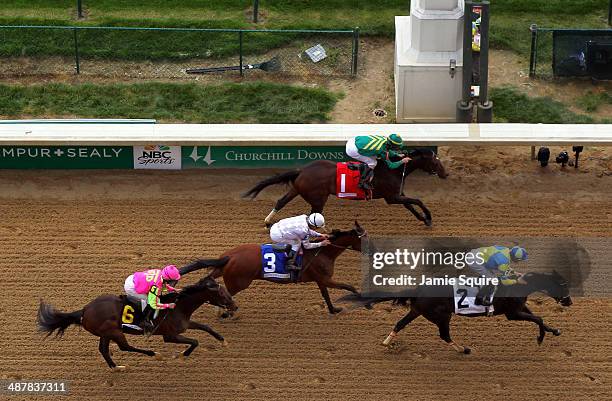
(97, 132)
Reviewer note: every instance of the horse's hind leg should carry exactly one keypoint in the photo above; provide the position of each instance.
(443, 323)
(403, 322)
(123, 344)
(281, 203)
(178, 339)
(332, 309)
(104, 350)
(208, 329)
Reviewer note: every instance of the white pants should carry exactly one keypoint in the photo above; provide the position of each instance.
(277, 237)
(480, 268)
(351, 150)
(131, 291)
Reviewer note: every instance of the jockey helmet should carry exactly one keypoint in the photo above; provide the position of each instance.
(477, 22)
(518, 253)
(170, 272)
(316, 220)
(395, 140)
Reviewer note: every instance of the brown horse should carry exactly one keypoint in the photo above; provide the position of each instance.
(242, 264)
(317, 180)
(102, 317)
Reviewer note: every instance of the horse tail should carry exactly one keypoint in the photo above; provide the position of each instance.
(283, 178)
(204, 264)
(50, 319)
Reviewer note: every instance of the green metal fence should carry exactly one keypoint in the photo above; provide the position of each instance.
(562, 51)
(167, 52)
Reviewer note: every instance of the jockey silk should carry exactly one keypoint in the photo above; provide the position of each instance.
(294, 230)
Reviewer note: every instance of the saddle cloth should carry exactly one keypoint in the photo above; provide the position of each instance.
(273, 264)
(347, 181)
(465, 297)
(131, 313)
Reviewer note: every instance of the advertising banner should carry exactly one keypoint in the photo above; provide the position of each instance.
(157, 157)
(258, 156)
(66, 157)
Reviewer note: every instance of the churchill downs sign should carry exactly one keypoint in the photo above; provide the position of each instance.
(257, 156)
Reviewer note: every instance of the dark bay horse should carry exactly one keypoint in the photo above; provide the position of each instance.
(243, 264)
(317, 180)
(509, 301)
(102, 317)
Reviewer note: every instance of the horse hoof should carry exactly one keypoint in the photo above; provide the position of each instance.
(158, 356)
(428, 222)
(335, 310)
(224, 343)
(540, 340)
(119, 368)
(556, 332)
(467, 350)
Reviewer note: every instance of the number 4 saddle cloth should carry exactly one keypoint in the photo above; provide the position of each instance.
(465, 297)
(274, 264)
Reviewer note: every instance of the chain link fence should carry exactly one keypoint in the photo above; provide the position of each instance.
(138, 52)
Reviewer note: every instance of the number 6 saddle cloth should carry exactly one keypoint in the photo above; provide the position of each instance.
(131, 314)
(465, 297)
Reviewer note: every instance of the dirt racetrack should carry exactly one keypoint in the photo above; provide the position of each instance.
(70, 236)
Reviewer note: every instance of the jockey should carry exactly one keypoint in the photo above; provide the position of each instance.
(496, 264)
(476, 35)
(297, 231)
(369, 148)
(148, 286)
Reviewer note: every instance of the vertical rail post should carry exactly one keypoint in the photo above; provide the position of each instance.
(534, 46)
(355, 52)
(610, 13)
(240, 34)
(255, 11)
(485, 106)
(465, 105)
(76, 51)
(80, 9)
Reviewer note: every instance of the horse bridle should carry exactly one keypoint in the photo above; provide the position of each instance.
(359, 236)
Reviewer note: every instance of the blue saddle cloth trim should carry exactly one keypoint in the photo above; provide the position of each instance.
(274, 262)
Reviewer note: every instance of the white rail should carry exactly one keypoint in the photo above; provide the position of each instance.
(119, 132)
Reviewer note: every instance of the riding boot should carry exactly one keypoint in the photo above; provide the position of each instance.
(366, 177)
(147, 321)
(292, 267)
(484, 295)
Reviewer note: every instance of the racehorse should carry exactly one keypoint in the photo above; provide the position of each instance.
(243, 264)
(317, 180)
(510, 300)
(102, 317)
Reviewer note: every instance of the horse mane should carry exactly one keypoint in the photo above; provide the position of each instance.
(187, 291)
(197, 287)
(336, 233)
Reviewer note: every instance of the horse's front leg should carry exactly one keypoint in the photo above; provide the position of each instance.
(524, 316)
(208, 329)
(178, 339)
(409, 204)
(330, 283)
(555, 332)
(332, 309)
